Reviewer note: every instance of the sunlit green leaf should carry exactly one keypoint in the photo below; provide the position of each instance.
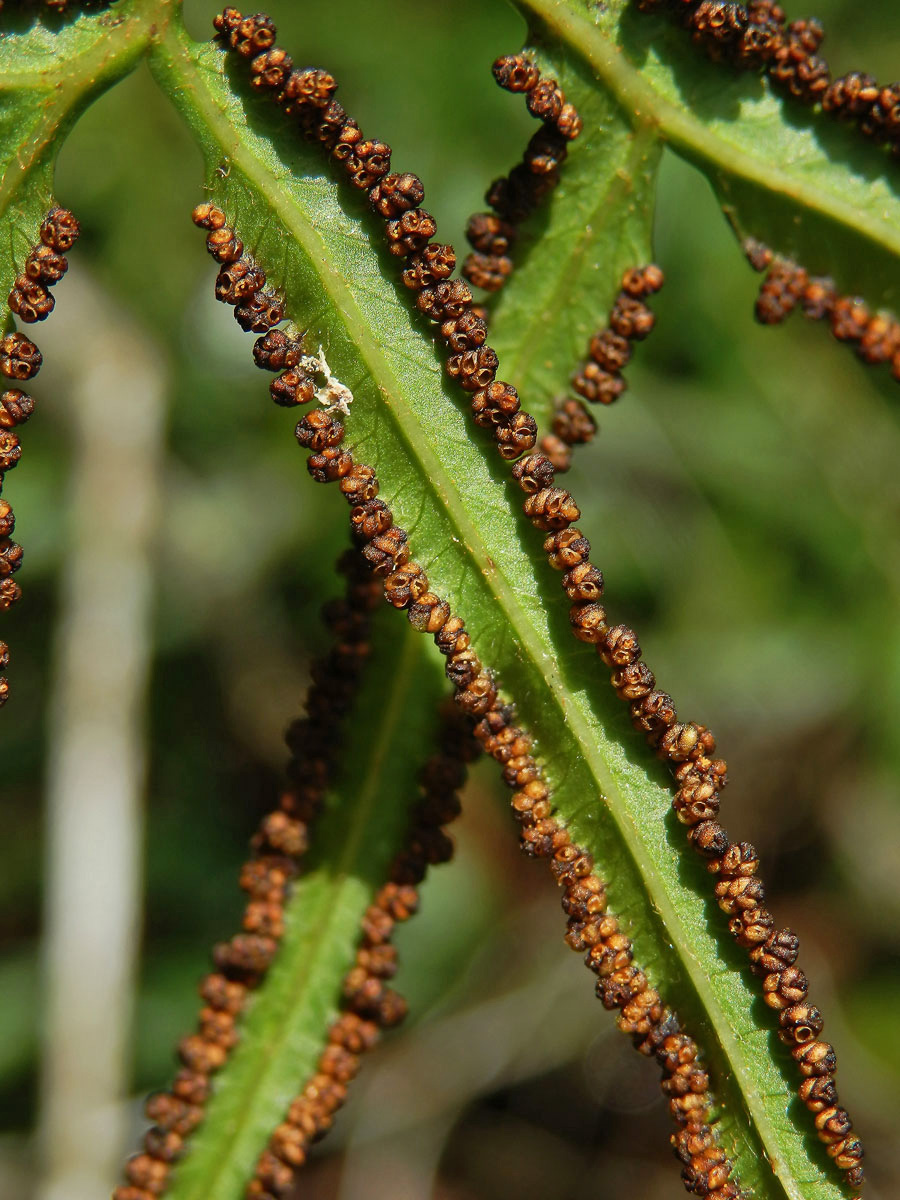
(318, 243)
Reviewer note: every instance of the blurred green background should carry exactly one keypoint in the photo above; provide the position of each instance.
(751, 477)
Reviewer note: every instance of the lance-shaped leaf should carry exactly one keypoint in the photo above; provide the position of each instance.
(389, 734)
(317, 243)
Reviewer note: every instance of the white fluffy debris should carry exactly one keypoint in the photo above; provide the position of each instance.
(332, 394)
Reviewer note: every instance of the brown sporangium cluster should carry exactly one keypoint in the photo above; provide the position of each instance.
(758, 37)
(20, 361)
(515, 197)
(599, 380)
(875, 336)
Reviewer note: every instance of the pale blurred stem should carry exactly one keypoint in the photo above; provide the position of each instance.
(96, 736)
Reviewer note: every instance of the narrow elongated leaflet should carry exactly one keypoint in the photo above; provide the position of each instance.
(653, 1026)
(739, 891)
(688, 748)
(242, 963)
(369, 1005)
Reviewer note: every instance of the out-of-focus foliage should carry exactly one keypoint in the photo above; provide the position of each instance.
(767, 456)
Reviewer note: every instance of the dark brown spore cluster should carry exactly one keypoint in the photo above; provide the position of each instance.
(758, 37)
(515, 197)
(30, 298)
(875, 336)
(370, 1006)
(688, 748)
(599, 380)
(258, 309)
(278, 846)
(239, 283)
(385, 548)
(20, 360)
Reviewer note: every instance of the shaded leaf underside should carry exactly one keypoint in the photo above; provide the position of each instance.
(364, 822)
